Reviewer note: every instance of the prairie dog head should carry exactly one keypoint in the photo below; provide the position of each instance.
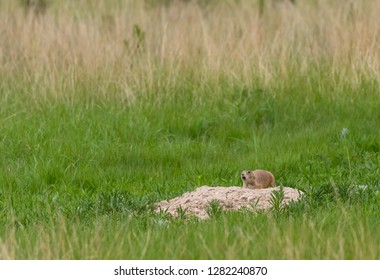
(248, 179)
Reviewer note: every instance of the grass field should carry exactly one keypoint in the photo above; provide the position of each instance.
(110, 106)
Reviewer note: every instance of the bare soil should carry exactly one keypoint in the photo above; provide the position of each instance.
(230, 198)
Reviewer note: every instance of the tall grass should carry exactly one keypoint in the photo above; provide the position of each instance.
(110, 106)
(134, 47)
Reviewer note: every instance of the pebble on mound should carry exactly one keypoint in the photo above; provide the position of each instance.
(230, 198)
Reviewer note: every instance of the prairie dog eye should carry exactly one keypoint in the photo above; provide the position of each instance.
(249, 172)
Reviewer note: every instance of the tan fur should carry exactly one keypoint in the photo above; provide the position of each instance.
(257, 179)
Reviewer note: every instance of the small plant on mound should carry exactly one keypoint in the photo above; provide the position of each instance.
(215, 210)
(162, 218)
(254, 204)
(181, 212)
(276, 199)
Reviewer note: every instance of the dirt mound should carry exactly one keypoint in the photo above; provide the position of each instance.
(230, 198)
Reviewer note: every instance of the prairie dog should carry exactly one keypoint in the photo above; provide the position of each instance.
(257, 179)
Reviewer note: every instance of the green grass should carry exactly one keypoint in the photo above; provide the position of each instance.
(90, 138)
(82, 176)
